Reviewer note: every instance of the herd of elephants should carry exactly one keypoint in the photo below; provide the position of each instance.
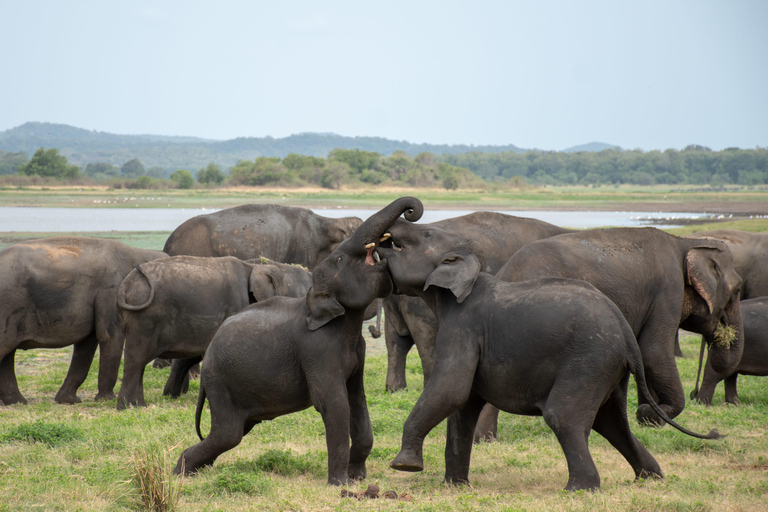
(507, 313)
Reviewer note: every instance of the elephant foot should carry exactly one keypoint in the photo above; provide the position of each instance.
(733, 401)
(16, 398)
(647, 417)
(105, 395)
(123, 404)
(67, 398)
(357, 471)
(644, 474)
(407, 461)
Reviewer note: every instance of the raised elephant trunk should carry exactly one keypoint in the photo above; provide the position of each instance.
(371, 231)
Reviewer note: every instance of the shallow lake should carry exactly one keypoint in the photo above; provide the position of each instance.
(167, 219)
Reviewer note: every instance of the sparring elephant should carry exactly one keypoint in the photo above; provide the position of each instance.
(660, 282)
(281, 233)
(754, 359)
(172, 307)
(285, 355)
(556, 348)
(408, 320)
(750, 258)
(61, 291)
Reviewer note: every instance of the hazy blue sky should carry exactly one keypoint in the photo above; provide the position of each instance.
(537, 74)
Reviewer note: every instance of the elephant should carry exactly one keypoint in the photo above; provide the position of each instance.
(61, 291)
(173, 307)
(750, 258)
(408, 320)
(754, 359)
(550, 347)
(285, 355)
(660, 282)
(281, 233)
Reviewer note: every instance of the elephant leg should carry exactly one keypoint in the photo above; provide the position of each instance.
(132, 388)
(571, 422)
(611, 422)
(161, 363)
(460, 436)
(178, 380)
(332, 402)
(9, 387)
(657, 348)
(487, 424)
(731, 395)
(397, 353)
(228, 425)
(447, 390)
(360, 429)
(708, 384)
(82, 357)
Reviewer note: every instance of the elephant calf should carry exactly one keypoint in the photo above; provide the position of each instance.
(552, 347)
(285, 355)
(173, 307)
(754, 359)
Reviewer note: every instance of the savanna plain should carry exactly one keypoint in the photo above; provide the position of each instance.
(91, 457)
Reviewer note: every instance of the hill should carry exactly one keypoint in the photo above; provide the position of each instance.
(84, 146)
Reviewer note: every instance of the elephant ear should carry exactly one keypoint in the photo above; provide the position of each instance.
(456, 272)
(266, 281)
(322, 309)
(701, 271)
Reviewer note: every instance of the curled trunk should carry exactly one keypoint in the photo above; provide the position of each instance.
(371, 230)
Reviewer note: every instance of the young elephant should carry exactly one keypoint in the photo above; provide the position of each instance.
(551, 347)
(173, 307)
(60, 291)
(754, 359)
(285, 355)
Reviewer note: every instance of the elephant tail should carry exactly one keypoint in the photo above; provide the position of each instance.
(130, 307)
(199, 410)
(635, 362)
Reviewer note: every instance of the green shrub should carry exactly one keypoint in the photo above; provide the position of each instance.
(52, 434)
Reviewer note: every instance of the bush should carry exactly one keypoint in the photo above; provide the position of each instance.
(52, 434)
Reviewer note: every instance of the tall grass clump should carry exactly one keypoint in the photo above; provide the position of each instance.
(158, 488)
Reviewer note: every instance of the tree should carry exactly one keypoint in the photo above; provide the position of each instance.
(101, 170)
(183, 178)
(10, 162)
(210, 174)
(50, 163)
(132, 168)
(334, 175)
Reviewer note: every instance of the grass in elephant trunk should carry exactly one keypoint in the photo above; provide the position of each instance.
(725, 335)
(281, 464)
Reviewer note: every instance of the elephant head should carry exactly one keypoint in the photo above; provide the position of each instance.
(712, 302)
(271, 279)
(419, 259)
(352, 277)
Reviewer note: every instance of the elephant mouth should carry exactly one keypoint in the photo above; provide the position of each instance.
(373, 257)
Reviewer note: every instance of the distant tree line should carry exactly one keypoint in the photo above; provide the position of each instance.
(692, 165)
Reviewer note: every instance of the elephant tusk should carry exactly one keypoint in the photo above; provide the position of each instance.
(385, 236)
(370, 245)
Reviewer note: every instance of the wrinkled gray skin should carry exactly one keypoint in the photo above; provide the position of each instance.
(281, 233)
(285, 355)
(172, 307)
(750, 258)
(61, 291)
(754, 359)
(556, 348)
(659, 282)
(408, 321)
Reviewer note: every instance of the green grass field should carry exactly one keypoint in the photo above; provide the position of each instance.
(88, 456)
